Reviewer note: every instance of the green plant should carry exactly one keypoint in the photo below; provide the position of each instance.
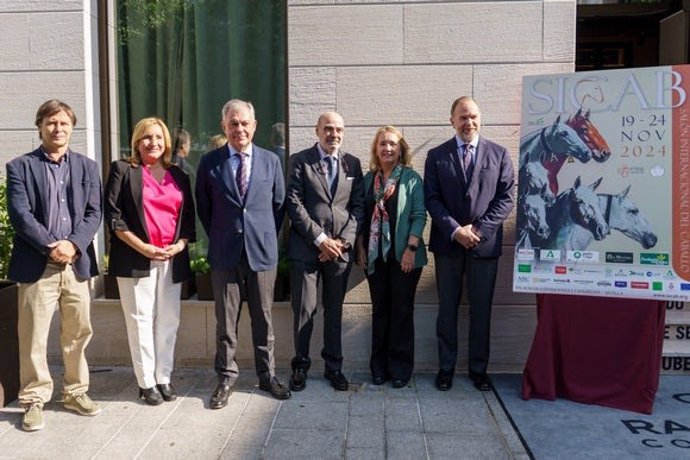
(6, 232)
(283, 263)
(200, 265)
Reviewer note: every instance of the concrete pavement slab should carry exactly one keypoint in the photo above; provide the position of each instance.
(327, 415)
(305, 443)
(403, 417)
(457, 416)
(234, 451)
(476, 446)
(406, 444)
(366, 432)
(365, 453)
(365, 422)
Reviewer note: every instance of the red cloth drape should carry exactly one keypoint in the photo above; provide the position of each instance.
(596, 350)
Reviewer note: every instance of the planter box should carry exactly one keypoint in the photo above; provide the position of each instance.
(110, 289)
(9, 343)
(188, 289)
(281, 290)
(204, 288)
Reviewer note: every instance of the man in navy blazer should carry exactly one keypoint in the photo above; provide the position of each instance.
(54, 204)
(240, 192)
(469, 193)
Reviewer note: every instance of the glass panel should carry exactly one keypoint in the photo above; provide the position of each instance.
(181, 60)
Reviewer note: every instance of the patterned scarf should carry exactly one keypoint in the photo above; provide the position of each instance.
(379, 229)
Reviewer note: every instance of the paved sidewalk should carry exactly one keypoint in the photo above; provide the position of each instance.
(367, 422)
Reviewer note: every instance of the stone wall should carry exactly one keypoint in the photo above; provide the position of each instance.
(403, 63)
(49, 50)
(376, 62)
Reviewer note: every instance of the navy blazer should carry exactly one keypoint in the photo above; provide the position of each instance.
(124, 210)
(231, 224)
(27, 204)
(485, 202)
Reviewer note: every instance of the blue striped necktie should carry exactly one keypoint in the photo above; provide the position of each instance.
(241, 175)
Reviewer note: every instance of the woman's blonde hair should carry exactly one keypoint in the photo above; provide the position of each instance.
(405, 155)
(138, 134)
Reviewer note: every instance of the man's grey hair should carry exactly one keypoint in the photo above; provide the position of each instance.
(234, 105)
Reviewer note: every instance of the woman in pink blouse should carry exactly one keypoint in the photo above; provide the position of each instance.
(150, 214)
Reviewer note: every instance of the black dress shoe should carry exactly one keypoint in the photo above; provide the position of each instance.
(219, 398)
(151, 395)
(276, 388)
(167, 391)
(399, 383)
(378, 380)
(337, 379)
(298, 379)
(444, 380)
(482, 382)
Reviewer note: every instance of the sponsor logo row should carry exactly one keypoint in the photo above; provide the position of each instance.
(555, 255)
(637, 284)
(607, 272)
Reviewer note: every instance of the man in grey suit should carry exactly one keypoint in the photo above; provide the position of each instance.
(325, 203)
(468, 184)
(239, 193)
(54, 204)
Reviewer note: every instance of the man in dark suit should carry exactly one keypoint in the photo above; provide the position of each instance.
(54, 203)
(468, 184)
(325, 203)
(240, 192)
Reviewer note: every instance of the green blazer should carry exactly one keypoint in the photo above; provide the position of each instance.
(411, 216)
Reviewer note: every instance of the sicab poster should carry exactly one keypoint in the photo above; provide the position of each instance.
(603, 200)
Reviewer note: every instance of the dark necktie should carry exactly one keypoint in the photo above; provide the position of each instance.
(330, 161)
(241, 174)
(467, 160)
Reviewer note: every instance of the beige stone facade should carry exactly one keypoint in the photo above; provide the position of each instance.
(394, 62)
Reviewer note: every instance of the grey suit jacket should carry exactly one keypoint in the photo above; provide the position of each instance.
(28, 210)
(312, 209)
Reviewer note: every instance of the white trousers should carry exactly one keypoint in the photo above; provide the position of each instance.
(152, 314)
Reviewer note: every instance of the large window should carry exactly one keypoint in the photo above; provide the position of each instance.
(181, 60)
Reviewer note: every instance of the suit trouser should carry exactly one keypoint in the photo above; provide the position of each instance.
(304, 281)
(57, 287)
(392, 328)
(228, 287)
(480, 276)
(152, 315)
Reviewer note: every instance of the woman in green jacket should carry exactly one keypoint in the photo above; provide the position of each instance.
(392, 253)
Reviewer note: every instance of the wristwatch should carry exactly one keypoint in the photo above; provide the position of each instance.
(412, 247)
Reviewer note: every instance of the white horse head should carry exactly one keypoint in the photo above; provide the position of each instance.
(625, 216)
(534, 210)
(534, 180)
(585, 210)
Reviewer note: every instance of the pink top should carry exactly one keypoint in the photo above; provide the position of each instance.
(162, 203)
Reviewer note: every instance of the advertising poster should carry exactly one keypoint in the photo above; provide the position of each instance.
(603, 200)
